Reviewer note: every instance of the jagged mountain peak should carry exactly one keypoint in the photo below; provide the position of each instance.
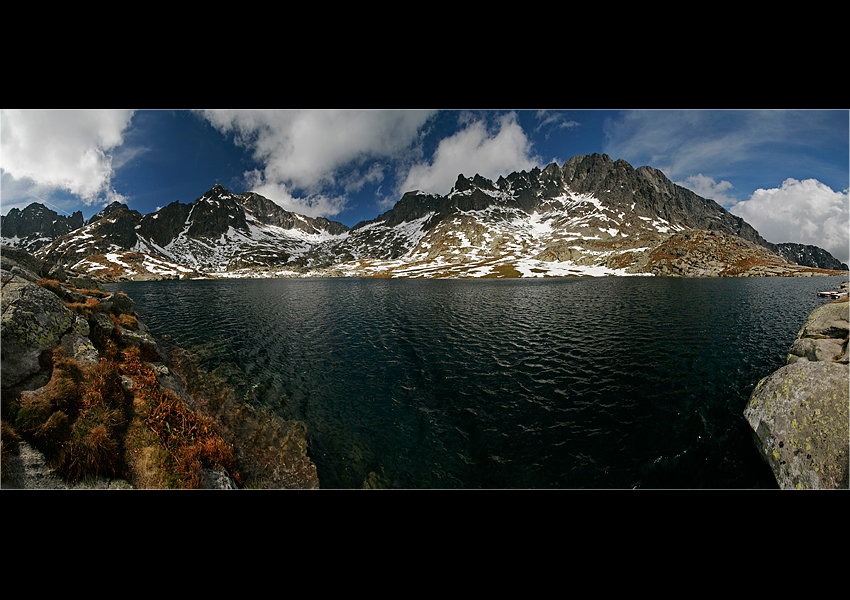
(591, 214)
(463, 184)
(110, 208)
(216, 191)
(36, 226)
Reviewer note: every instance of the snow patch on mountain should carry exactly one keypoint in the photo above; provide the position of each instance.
(591, 217)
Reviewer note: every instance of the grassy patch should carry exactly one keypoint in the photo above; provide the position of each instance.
(85, 309)
(78, 419)
(503, 271)
(54, 286)
(128, 322)
(189, 440)
(112, 419)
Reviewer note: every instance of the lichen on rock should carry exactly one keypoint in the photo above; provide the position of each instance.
(799, 413)
(75, 359)
(33, 321)
(799, 416)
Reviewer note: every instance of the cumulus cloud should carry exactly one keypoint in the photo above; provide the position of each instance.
(314, 204)
(708, 187)
(303, 153)
(473, 149)
(69, 150)
(803, 212)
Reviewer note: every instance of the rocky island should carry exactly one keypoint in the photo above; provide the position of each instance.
(91, 400)
(799, 413)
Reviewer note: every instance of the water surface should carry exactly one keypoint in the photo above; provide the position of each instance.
(614, 382)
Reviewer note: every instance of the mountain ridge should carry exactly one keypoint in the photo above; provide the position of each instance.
(36, 225)
(592, 215)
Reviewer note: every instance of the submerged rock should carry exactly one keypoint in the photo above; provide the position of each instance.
(799, 413)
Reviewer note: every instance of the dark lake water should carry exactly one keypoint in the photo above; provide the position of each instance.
(610, 382)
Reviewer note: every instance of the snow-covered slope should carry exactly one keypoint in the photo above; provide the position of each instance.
(219, 233)
(569, 234)
(133, 265)
(591, 216)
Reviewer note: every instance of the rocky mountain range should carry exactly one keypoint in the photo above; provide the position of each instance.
(590, 216)
(36, 226)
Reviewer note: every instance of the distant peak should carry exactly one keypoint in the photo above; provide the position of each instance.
(462, 184)
(218, 189)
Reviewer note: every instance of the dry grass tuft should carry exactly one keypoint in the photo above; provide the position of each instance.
(77, 419)
(87, 425)
(85, 309)
(191, 441)
(128, 322)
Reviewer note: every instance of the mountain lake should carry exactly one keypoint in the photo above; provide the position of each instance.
(555, 383)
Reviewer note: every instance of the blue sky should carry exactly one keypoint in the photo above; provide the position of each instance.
(785, 172)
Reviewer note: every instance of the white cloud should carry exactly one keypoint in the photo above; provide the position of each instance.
(314, 150)
(803, 212)
(473, 150)
(310, 159)
(557, 119)
(67, 150)
(312, 205)
(682, 142)
(707, 187)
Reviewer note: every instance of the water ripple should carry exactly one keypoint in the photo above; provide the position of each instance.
(607, 382)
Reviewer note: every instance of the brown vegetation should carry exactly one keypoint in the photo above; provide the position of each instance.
(77, 419)
(190, 440)
(54, 286)
(112, 418)
(90, 421)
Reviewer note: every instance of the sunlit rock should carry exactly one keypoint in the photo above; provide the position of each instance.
(799, 413)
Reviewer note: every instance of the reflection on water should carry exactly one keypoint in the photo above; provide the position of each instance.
(567, 383)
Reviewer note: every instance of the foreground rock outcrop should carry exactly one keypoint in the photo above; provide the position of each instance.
(88, 401)
(799, 413)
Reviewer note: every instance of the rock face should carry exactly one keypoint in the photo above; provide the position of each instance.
(823, 337)
(45, 308)
(699, 253)
(34, 321)
(590, 216)
(800, 412)
(808, 256)
(36, 226)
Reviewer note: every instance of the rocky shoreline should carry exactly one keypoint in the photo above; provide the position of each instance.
(53, 317)
(61, 331)
(799, 413)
